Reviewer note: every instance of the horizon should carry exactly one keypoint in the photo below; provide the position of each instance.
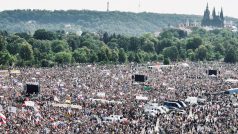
(183, 7)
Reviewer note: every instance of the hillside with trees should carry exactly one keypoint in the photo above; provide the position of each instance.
(92, 21)
(46, 48)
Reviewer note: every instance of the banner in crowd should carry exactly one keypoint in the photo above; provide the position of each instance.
(66, 106)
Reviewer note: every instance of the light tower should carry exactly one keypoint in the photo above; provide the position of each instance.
(107, 6)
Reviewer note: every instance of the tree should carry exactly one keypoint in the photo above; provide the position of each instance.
(105, 38)
(73, 41)
(191, 55)
(161, 57)
(115, 55)
(123, 42)
(26, 52)
(47, 63)
(164, 43)
(219, 48)
(6, 58)
(174, 33)
(231, 55)
(171, 53)
(24, 35)
(166, 61)
(63, 57)
(113, 44)
(154, 57)
(148, 46)
(89, 43)
(131, 56)
(135, 44)
(201, 53)
(182, 53)
(42, 34)
(104, 53)
(194, 43)
(14, 44)
(138, 58)
(59, 46)
(81, 55)
(3, 43)
(122, 56)
(42, 45)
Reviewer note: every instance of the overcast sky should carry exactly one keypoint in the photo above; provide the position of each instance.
(230, 7)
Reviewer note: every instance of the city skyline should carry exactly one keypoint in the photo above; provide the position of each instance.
(194, 7)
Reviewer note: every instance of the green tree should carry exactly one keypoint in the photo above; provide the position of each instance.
(161, 57)
(81, 55)
(148, 46)
(3, 43)
(14, 44)
(59, 46)
(201, 53)
(231, 55)
(42, 34)
(26, 52)
(93, 57)
(24, 35)
(138, 58)
(182, 53)
(131, 56)
(6, 58)
(47, 63)
(103, 54)
(166, 61)
(115, 55)
(191, 55)
(105, 38)
(73, 41)
(122, 56)
(194, 43)
(154, 57)
(171, 53)
(135, 44)
(63, 57)
(164, 43)
(113, 44)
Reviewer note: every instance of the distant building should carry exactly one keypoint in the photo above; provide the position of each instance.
(214, 20)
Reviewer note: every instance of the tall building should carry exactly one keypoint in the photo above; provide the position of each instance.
(214, 20)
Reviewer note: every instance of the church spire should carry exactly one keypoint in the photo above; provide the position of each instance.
(214, 13)
(221, 14)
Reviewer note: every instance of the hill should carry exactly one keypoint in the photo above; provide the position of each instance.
(92, 21)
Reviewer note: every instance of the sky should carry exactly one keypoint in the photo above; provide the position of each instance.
(196, 7)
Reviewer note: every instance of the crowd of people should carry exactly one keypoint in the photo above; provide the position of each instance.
(103, 90)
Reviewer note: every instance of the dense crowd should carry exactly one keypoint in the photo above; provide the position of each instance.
(89, 86)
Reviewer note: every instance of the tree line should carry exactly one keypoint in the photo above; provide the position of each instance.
(46, 48)
(93, 21)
